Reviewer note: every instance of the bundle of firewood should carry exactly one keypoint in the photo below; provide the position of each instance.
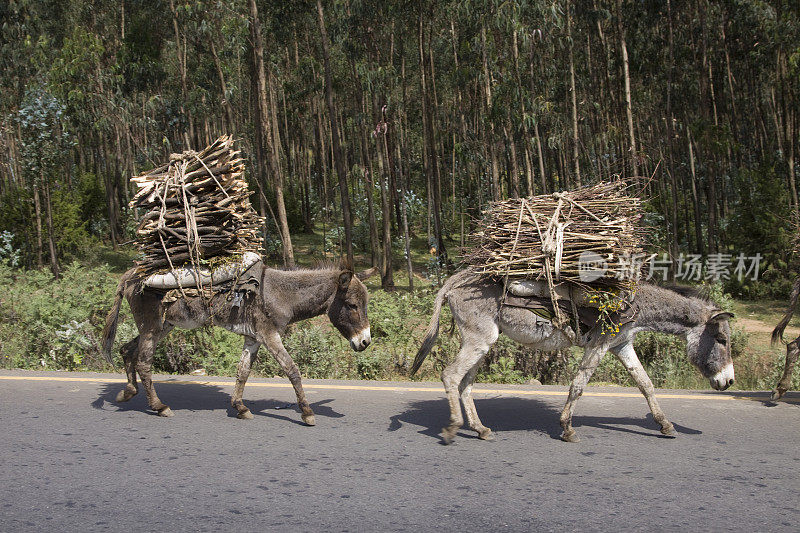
(198, 210)
(557, 237)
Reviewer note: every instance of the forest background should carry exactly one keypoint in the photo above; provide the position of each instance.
(378, 131)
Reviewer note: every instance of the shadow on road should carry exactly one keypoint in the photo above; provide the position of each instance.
(182, 396)
(521, 414)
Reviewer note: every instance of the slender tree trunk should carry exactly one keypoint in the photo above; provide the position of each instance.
(226, 103)
(430, 146)
(698, 228)
(628, 105)
(37, 205)
(512, 147)
(574, 100)
(51, 239)
(267, 134)
(338, 155)
(181, 55)
(496, 194)
(387, 275)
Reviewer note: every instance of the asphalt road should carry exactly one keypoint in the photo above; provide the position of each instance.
(73, 460)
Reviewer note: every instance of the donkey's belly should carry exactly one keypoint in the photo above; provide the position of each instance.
(525, 327)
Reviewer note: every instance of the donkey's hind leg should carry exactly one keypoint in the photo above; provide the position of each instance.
(144, 365)
(627, 355)
(465, 389)
(249, 353)
(128, 352)
(591, 358)
(792, 352)
(474, 345)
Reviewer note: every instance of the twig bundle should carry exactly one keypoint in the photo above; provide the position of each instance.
(198, 208)
(550, 237)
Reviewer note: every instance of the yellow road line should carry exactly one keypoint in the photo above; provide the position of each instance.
(511, 392)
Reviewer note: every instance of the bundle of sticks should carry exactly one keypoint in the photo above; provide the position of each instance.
(556, 237)
(198, 210)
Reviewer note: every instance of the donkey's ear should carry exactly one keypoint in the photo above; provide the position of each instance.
(345, 264)
(344, 279)
(720, 316)
(366, 274)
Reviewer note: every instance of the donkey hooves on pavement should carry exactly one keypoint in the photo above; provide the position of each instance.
(309, 420)
(486, 435)
(570, 437)
(245, 415)
(669, 431)
(447, 436)
(166, 412)
(123, 396)
(776, 394)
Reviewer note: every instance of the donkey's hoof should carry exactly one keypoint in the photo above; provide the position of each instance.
(668, 430)
(165, 412)
(486, 434)
(777, 394)
(124, 395)
(448, 435)
(309, 420)
(245, 415)
(570, 436)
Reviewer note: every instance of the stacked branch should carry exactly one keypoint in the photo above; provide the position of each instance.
(555, 237)
(198, 210)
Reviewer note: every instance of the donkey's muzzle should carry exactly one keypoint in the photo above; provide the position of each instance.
(361, 340)
(724, 378)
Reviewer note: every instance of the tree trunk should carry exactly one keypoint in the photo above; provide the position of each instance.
(338, 156)
(628, 104)
(267, 137)
(487, 89)
(37, 205)
(387, 277)
(698, 228)
(574, 100)
(430, 144)
(51, 239)
(226, 104)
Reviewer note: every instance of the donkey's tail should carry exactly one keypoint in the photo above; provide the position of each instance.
(110, 329)
(777, 333)
(433, 327)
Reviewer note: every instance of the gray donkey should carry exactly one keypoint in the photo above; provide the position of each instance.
(476, 303)
(282, 297)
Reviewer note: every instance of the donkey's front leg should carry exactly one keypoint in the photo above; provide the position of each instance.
(249, 353)
(627, 355)
(273, 342)
(591, 358)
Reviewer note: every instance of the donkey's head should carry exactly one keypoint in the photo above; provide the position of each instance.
(348, 311)
(709, 348)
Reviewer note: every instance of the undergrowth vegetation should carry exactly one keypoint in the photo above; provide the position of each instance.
(57, 325)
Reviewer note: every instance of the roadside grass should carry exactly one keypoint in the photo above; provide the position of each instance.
(48, 324)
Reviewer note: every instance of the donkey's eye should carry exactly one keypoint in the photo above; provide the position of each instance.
(350, 306)
(722, 340)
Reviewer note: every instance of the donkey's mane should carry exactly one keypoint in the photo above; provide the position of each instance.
(320, 265)
(689, 292)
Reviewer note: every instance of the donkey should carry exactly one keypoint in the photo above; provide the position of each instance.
(282, 297)
(792, 348)
(476, 303)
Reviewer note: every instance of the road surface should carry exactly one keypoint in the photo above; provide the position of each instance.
(73, 460)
